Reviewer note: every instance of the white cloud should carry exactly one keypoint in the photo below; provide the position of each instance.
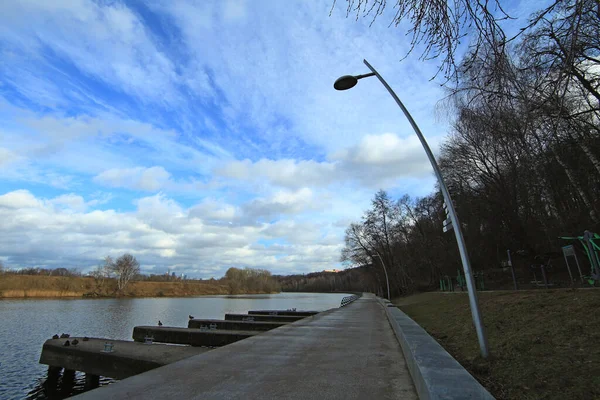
(41, 147)
(70, 201)
(381, 160)
(138, 178)
(376, 161)
(19, 199)
(159, 232)
(223, 110)
(282, 203)
(234, 10)
(7, 157)
(112, 44)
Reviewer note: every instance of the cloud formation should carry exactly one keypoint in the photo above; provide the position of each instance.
(162, 233)
(199, 135)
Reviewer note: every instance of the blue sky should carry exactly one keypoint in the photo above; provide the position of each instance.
(200, 135)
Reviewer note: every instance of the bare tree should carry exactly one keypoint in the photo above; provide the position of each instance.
(440, 26)
(101, 273)
(125, 268)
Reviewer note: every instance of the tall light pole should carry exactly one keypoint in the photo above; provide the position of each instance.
(349, 81)
(387, 280)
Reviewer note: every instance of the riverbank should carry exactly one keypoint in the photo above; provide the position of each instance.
(36, 286)
(542, 342)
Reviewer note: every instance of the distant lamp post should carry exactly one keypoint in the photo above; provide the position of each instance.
(349, 81)
(387, 280)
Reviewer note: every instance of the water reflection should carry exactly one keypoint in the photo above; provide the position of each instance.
(26, 324)
(42, 392)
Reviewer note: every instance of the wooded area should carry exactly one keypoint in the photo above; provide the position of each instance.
(522, 161)
(122, 277)
(249, 280)
(349, 280)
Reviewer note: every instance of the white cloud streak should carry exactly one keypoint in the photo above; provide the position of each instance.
(223, 112)
(160, 232)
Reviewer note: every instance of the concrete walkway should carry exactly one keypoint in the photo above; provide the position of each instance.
(347, 353)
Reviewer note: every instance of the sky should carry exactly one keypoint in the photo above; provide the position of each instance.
(201, 135)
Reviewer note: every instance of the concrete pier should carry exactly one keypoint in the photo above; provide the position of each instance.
(193, 337)
(234, 325)
(126, 359)
(347, 353)
(264, 318)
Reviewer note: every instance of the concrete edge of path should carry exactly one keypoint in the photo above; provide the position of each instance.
(435, 373)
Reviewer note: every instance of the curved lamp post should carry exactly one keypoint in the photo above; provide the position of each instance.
(349, 81)
(387, 280)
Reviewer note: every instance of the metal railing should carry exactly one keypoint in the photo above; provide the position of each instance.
(348, 299)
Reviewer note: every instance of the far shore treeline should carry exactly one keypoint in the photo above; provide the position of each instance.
(122, 278)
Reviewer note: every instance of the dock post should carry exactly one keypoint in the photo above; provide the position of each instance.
(68, 381)
(91, 381)
(51, 383)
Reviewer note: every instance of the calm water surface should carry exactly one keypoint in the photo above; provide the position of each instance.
(26, 324)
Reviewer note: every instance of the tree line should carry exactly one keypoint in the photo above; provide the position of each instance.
(359, 279)
(522, 160)
(250, 280)
(113, 276)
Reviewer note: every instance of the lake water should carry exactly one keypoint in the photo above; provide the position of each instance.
(26, 324)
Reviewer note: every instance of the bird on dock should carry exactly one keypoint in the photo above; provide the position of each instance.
(75, 342)
(65, 336)
(191, 316)
(67, 343)
(159, 323)
(55, 337)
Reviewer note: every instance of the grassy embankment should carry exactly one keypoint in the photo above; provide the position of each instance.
(543, 344)
(30, 286)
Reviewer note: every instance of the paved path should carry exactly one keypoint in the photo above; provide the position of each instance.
(347, 353)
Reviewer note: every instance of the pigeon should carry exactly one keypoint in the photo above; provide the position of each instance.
(85, 338)
(159, 323)
(191, 316)
(67, 343)
(55, 337)
(75, 342)
(65, 336)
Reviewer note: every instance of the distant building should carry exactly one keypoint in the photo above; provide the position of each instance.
(332, 270)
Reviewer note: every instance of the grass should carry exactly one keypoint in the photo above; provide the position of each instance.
(35, 286)
(543, 344)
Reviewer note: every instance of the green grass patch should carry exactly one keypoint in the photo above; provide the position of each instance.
(544, 344)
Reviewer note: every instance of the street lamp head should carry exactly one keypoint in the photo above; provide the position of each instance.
(345, 82)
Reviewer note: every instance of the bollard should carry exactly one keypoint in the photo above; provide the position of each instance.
(51, 383)
(68, 381)
(91, 381)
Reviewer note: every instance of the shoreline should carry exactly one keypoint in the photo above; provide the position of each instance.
(55, 287)
(49, 295)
